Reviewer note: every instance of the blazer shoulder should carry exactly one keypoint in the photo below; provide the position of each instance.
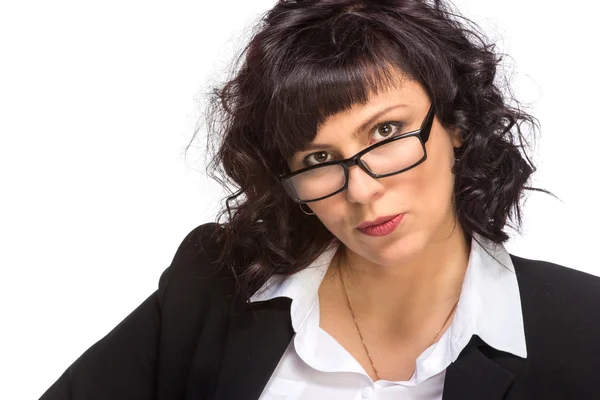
(560, 308)
(195, 262)
(557, 279)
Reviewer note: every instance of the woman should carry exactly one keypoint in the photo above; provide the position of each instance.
(380, 164)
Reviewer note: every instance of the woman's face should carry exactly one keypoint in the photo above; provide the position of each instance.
(423, 194)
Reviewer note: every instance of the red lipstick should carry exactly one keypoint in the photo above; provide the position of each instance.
(381, 226)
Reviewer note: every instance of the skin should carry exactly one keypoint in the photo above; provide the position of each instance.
(402, 286)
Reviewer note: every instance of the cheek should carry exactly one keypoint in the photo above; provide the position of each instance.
(436, 188)
(331, 212)
(427, 190)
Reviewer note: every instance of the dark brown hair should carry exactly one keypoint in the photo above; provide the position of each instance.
(308, 60)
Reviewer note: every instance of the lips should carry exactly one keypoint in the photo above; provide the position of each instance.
(378, 221)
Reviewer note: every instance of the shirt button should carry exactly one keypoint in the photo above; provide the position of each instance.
(368, 391)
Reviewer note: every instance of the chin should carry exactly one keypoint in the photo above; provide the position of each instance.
(404, 246)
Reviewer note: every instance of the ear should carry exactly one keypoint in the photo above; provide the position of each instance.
(455, 137)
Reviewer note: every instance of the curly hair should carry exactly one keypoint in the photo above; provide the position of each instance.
(308, 60)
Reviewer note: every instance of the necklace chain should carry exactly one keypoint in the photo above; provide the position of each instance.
(361, 336)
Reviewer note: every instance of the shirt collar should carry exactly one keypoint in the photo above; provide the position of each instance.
(491, 300)
(302, 287)
(489, 306)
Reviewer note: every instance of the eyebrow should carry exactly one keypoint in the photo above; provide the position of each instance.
(357, 132)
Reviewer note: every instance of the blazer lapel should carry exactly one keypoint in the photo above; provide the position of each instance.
(474, 376)
(258, 335)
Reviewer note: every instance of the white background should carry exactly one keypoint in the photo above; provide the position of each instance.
(98, 101)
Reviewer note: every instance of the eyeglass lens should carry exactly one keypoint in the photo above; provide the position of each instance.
(392, 157)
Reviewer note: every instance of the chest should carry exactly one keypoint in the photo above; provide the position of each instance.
(391, 362)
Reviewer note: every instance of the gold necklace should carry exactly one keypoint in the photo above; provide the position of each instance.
(361, 337)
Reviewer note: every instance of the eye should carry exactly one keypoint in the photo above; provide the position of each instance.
(320, 157)
(386, 129)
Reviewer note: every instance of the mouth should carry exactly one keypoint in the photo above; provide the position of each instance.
(384, 228)
(377, 221)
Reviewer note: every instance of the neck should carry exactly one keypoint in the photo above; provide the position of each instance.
(407, 301)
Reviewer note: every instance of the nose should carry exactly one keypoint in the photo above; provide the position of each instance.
(362, 188)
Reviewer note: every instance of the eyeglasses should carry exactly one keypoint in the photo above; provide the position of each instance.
(389, 157)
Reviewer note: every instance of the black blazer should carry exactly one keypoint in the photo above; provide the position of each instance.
(192, 339)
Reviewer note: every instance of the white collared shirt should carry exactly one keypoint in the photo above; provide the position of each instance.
(316, 366)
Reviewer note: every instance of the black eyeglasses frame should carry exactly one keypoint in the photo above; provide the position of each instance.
(422, 133)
